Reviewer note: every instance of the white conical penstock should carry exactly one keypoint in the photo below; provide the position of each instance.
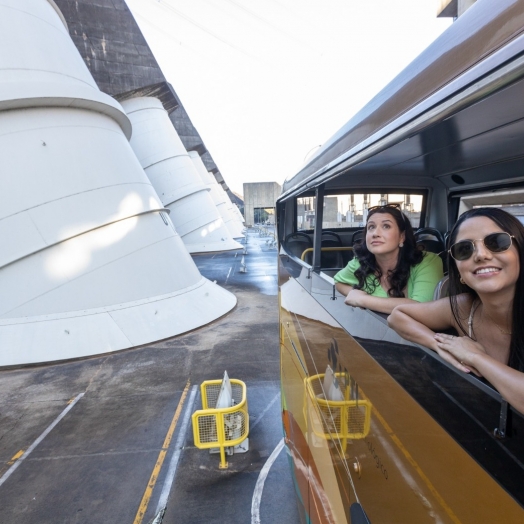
(174, 176)
(90, 262)
(232, 211)
(216, 194)
(239, 214)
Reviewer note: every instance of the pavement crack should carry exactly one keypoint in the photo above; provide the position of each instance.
(97, 372)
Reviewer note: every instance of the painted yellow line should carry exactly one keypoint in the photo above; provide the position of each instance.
(160, 460)
(15, 457)
(418, 469)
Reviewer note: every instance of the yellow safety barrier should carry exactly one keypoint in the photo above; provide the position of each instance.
(337, 420)
(221, 427)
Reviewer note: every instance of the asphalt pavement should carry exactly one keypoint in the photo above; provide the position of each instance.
(109, 439)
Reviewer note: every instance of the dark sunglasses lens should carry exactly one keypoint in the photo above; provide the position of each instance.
(498, 242)
(462, 250)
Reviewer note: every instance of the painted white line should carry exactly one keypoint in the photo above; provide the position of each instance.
(268, 407)
(228, 273)
(170, 476)
(11, 470)
(259, 487)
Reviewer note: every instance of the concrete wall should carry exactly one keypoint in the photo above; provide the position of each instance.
(453, 8)
(259, 194)
(122, 64)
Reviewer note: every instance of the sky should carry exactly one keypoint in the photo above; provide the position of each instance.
(265, 82)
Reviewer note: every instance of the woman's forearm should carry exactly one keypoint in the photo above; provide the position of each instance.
(383, 305)
(343, 289)
(412, 330)
(508, 381)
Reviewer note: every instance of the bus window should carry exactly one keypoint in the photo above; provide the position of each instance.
(350, 210)
(511, 201)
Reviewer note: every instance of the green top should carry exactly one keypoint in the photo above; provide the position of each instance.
(423, 278)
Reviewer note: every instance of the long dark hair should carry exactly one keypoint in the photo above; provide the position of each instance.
(408, 257)
(511, 225)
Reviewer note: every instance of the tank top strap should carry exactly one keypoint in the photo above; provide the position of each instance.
(474, 307)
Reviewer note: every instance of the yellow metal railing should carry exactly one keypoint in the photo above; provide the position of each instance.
(310, 250)
(221, 427)
(337, 419)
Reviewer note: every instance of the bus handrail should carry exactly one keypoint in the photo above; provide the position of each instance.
(310, 250)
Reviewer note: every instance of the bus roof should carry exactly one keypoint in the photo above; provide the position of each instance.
(424, 109)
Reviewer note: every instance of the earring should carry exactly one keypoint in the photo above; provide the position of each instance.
(401, 244)
(462, 281)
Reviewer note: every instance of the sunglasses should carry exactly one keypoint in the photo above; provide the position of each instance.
(495, 242)
(396, 206)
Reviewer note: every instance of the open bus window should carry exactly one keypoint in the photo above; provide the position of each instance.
(510, 200)
(350, 210)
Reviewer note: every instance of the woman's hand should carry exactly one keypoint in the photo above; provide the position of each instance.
(458, 351)
(356, 298)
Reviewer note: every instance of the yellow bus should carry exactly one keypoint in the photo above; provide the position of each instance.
(407, 438)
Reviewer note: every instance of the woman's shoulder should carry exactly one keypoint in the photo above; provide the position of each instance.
(347, 274)
(429, 261)
(430, 258)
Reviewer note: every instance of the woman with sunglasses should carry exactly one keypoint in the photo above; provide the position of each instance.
(388, 269)
(485, 306)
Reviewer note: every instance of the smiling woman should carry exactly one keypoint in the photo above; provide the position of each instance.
(485, 306)
(388, 269)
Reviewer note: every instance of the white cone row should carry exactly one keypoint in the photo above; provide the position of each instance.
(90, 261)
(219, 196)
(173, 175)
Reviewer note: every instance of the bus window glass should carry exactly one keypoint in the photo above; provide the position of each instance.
(306, 213)
(511, 201)
(514, 209)
(350, 210)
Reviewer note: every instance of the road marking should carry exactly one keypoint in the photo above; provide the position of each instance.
(160, 460)
(15, 457)
(268, 407)
(29, 450)
(259, 487)
(228, 273)
(170, 477)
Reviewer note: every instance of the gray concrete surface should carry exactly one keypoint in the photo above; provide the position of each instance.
(95, 465)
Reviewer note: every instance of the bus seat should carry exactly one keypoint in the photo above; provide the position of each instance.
(442, 288)
(331, 259)
(296, 243)
(358, 237)
(432, 240)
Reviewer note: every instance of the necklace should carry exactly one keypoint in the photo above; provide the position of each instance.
(503, 331)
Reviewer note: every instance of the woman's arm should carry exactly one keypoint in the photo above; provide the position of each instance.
(508, 382)
(359, 298)
(418, 322)
(342, 288)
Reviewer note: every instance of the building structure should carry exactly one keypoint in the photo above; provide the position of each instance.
(260, 196)
(453, 8)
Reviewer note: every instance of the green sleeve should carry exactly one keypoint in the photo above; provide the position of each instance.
(424, 278)
(347, 275)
